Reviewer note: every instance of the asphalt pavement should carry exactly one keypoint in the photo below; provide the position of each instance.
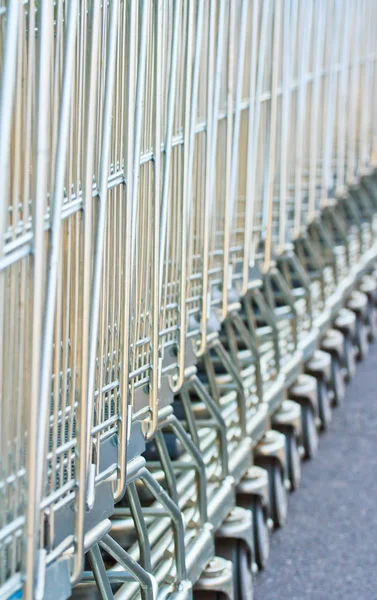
(328, 547)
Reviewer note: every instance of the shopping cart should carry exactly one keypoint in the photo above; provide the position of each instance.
(173, 463)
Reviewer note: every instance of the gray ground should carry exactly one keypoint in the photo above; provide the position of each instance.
(328, 547)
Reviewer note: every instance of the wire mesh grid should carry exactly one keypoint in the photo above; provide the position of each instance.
(62, 311)
(177, 188)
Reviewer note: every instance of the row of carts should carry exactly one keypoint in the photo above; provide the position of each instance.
(188, 198)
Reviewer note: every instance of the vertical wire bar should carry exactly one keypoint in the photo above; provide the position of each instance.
(7, 95)
(329, 124)
(354, 90)
(250, 180)
(211, 176)
(343, 77)
(271, 157)
(192, 101)
(138, 118)
(235, 148)
(257, 117)
(306, 18)
(41, 183)
(285, 134)
(228, 155)
(316, 91)
(124, 428)
(53, 259)
(154, 380)
(168, 137)
(208, 151)
(81, 431)
(191, 51)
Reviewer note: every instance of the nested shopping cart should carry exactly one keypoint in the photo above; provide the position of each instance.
(174, 463)
(72, 254)
(330, 241)
(218, 411)
(18, 426)
(45, 429)
(223, 332)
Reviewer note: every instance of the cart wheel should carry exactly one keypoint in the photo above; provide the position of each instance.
(324, 406)
(237, 553)
(216, 582)
(261, 535)
(277, 494)
(293, 460)
(372, 322)
(242, 577)
(349, 355)
(309, 432)
(361, 339)
(337, 381)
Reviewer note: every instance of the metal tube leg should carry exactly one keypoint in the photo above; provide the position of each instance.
(146, 580)
(99, 572)
(177, 519)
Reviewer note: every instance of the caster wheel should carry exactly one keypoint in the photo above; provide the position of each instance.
(369, 288)
(277, 494)
(324, 405)
(372, 322)
(349, 356)
(236, 552)
(293, 460)
(361, 339)
(337, 381)
(242, 575)
(216, 581)
(309, 432)
(261, 535)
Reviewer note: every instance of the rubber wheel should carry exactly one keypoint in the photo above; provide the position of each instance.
(293, 460)
(324, 405)
(349, 355)
(277, 494)
(372, 322)
(236, 552)
(243, 578)
(361, 339)
(309, 432)
(261, 535)
(337, 381)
